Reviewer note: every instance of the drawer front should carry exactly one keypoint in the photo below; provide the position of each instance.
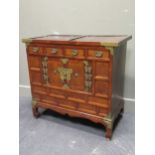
(98, 54)
(74, 53)
(54, 51)
(35, 50)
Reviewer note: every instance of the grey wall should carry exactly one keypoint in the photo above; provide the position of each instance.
(42, 17)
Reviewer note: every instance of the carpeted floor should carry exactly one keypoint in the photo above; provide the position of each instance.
(54, 134)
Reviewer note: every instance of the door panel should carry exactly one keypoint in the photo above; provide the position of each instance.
(54, 78)
(77, 78)
(67, 73)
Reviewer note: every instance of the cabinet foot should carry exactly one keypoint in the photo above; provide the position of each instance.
(35, 111)
(108, 133)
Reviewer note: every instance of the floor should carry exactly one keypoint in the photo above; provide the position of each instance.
(54, 134)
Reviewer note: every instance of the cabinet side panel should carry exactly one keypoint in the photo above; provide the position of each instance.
(118, 74)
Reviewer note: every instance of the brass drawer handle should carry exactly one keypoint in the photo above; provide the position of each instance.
(54, 51)
(74, 52)
(99, 54)
(35, 49)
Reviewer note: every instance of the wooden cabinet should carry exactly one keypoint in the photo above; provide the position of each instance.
(81, 76)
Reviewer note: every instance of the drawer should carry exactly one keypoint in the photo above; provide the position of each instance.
(99, 54)
(73, 52)
(53, 51)
(35, 50)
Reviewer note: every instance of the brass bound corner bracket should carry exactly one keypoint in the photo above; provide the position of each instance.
(111, 49)
(108, 120)
(34, 101)
(27, 41)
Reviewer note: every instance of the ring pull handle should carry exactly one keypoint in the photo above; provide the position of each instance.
(54, 51)
(99, 54)
(35, 49)
(74, 52)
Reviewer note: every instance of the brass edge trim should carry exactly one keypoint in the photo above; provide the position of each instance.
(27, 41)
(116, 44)
(109, 44)
(111, 50)
(109, 119)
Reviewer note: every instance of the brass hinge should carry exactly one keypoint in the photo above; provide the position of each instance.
(88, 75)
(45, 69)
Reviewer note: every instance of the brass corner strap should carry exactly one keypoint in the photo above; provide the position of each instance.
(109, 119)
(34, 101)
(27, 41)
(110, 48)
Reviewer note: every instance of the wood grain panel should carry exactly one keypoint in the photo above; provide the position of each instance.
(54, 77)
(98, 101)
(49, 100)
(101, 87)
(91, 109)
(36, 77)
(39, 90)
(102, 69)
(34, 61)
(103, 112)
(77, 79)
(76, 100)
(68, 104)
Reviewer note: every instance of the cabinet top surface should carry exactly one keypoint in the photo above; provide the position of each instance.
(96, 40)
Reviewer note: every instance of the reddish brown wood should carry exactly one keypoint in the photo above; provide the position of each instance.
(102, 100)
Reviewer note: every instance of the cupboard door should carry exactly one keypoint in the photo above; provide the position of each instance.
(70, 74)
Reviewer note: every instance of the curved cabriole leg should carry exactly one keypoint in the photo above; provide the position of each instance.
(35, 111)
